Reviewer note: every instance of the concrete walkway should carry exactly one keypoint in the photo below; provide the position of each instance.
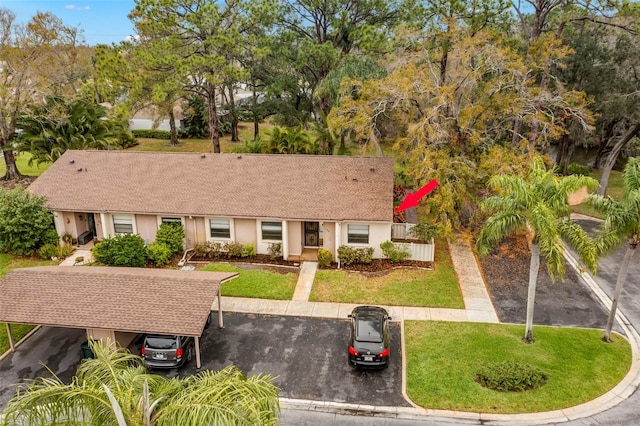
(305, 281)
(71, 260)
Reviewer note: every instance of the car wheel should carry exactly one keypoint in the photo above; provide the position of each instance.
(189, 356)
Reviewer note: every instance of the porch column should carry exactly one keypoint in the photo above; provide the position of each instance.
(198, 363)
(10, 337)
(58, 222)
(220, 319)
(105, 226)
(285, 240)
(337, 241)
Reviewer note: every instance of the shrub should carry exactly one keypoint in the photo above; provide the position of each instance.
(274, 250)
(67, 238)
(395, 252)
(159, 253)
(51, 237)
(216, 249)
(152, 134)
(324, 258)
(121, 250)
(510, 376)
(201, 250)
(233, 249)
(171, 235)
(63, 251)
(578, 169)
(249, 250)
(25, 222)
(47, 251)
(364, 254)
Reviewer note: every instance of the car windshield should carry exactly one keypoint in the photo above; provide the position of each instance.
(161, 342)
(369, 329)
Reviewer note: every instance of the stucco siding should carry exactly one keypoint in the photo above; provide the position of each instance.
(328, 238)
(147, 227)
(245, 231)
(295, 237)
(69, 222)
(378, 233)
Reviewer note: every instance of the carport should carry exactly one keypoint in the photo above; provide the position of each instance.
(110, 302)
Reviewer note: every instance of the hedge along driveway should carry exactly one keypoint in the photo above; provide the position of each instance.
(400, 287)
(258, 283)
(443, 358)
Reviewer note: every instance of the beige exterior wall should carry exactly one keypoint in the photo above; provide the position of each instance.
(329, 238)
(195, 230)
(147, 227)
(123, 338)
(82, 223)
(69, 223)
(378, 233)
(245, 231)
(294, 237)
(101, 334)
(97, 218)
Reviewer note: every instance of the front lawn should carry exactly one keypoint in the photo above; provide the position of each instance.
(22, 162)
(256, 283)
(443, 357)
(7, 263)
(615, 189)
(401, 287)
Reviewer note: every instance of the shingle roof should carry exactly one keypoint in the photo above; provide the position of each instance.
(233, 185)
(135, 300)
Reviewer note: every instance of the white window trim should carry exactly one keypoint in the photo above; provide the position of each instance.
(159, 218)
(367, 244)
(282, 231)
(232, 230)
(133, 223)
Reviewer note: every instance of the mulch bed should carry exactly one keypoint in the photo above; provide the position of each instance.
(382, 266)
(569, 302)
(24, 182)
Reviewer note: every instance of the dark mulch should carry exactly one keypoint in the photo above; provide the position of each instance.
(569, 302)
(24, 182)
(382, 265)
(262, 259)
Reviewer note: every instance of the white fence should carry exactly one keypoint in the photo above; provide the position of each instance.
(423, 252)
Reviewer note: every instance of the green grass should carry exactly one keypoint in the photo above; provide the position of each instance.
(402, 287)
(257, 283)
(442, 358)
(7, 263)
(615, 189)
(22, 162)
(245, 133)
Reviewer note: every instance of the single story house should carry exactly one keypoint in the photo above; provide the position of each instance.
(300, 201)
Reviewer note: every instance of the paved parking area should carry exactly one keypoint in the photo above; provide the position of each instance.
(308, 356)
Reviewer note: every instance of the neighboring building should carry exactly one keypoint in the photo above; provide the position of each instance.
(151, 118)
(302, 201)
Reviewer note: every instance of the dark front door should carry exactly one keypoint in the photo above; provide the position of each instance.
(91, 223)
(311, 234)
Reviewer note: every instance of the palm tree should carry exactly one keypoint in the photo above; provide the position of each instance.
(537, 204)
(58, 126)
(622, 222)
(115, 389)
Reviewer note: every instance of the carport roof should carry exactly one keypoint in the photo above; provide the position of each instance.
(134, 300)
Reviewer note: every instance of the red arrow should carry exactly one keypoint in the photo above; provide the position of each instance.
(411, 200)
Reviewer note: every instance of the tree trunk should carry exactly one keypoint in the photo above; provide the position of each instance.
(534, 266)
(12, 172)
(562, 156)
(256, 124)
(613, 156)
(622, 276)
(172, 125)
(234, 115)
(213, 118)
(604, 142)
(515, 137)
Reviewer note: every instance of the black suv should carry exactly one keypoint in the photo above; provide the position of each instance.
(163, 351)
(369, 337)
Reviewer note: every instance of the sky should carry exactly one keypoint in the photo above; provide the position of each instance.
(102, 21)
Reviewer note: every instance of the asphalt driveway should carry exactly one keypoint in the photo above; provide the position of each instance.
(308, 356)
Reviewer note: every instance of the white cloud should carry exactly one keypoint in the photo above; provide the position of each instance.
(74, 7)
(132, 38)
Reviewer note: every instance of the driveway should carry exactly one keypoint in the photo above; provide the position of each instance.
(308, 356)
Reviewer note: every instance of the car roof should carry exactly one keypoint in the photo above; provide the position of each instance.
(369, 310)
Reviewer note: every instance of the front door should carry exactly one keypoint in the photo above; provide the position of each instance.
(91, 223)
(311, 234)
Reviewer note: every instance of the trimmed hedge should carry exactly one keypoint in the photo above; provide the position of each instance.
(152, 134)
(510, 376)
(324, 257)
(121, 250)
(350, 255)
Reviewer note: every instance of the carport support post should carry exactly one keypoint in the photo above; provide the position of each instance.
(10, 337)
(220, 320)
(198, 364)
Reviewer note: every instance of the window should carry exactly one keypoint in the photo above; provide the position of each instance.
(358, 234)
(220, 228)
(170, 220)
(122, 224)
(272, 231)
